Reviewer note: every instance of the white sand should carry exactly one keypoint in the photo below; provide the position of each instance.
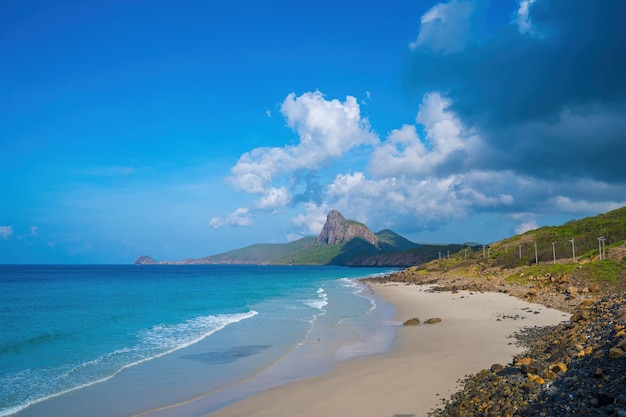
(424, 366)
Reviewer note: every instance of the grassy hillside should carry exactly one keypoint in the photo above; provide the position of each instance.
(264, 253)
(502, 259)
(584, 232)
(415, 256)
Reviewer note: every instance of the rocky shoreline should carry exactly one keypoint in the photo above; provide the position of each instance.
(575, 368)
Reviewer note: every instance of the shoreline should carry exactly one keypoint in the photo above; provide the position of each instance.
(324, 346)
(424, 364)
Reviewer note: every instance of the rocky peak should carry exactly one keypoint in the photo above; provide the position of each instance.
(338, 229)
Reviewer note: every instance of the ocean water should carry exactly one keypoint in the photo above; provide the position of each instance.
(134, 340)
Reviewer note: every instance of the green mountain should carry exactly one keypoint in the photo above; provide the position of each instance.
(263, 253)
(347, 242)
(391, 241)
(341, 242)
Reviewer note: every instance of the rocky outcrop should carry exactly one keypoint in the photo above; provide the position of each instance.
(145, 260)
(338, 229)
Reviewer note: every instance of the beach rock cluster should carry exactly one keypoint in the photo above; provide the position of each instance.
(575, 368)
(562, 292)
(416, 322)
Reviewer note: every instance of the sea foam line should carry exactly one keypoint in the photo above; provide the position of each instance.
(320, 302)
(151, 337)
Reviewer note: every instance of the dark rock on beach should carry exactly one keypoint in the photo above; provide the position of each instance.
(575, 368)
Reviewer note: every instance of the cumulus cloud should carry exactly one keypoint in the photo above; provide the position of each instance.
(6, 232)
(443, 151)
(310, 222)
(411, 202)
(274, 197)
(239, 217)
(327, 130)
(445, 27)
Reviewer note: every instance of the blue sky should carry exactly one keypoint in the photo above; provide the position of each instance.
(184, 129)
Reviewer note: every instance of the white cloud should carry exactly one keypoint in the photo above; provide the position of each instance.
(409, 204)
(423, 200)
(445, 27)
(239, 217)
(33, 232)
(404, 153)
(6, 232)
(327, 129)
(311, 221)
(526, 226)
(274, 198)
(523, 22)
(569, 205)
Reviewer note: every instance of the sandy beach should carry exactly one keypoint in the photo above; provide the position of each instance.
(423, 367)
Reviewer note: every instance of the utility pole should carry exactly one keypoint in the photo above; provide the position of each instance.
(520, 251)
(448, 254)
(553, 253)
(536, 258)
(600, 247)
(439, 255)
(573, 250)
(466, 254)
(484, 256)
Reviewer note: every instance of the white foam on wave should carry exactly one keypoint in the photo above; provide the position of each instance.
(320, 302)
(154, 343)
(358, 289)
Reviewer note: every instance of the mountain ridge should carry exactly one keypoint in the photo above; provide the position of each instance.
(355, 247)
(341, 242)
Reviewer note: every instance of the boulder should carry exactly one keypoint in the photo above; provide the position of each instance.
(580, 315)
(615, 353)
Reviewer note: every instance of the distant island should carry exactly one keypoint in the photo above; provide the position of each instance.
(341, 242)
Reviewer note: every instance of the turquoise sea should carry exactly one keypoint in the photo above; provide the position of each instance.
(129, 340)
